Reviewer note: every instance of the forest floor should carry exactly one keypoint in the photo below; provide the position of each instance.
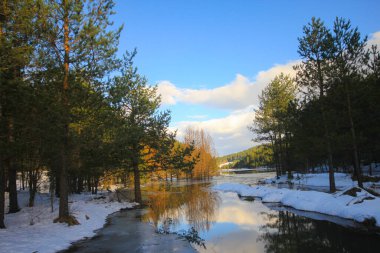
(32, 229)
(305, 192)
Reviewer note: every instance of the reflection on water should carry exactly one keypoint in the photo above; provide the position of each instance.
(222, 222)
(173, 208)
(225, 223)
(248, 177)
(288, 232)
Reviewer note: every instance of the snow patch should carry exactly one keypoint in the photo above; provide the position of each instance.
(360, 208)
(32, 229)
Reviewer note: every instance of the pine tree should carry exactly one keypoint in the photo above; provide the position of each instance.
(271, 124)
(312, 73)
(76, 48)
(17, 21)
(143, 125)
(348, 56)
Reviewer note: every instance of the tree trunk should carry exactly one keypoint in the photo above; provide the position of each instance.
(325, 126)
(92, 180)
(135, 165)
(80, 185)
(287, 159)
(32, 187)
(329, 154)
(2, 174)
(32, 194)
(51, 191)
(357, 169)
(23, 180)
(329, 149)
(63, 189)
(57, 183)
(2, 197)
(96, 183)
(88, 182)
(63, 183)
(280, 155)
(12, 173)
(275, 157)
(124, 178)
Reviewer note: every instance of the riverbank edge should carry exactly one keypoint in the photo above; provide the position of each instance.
(32, 228)
(360, 209)
(156, 242)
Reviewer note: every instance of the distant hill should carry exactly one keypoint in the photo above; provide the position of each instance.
(250, 158)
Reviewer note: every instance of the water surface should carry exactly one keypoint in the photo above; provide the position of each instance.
(180, 213)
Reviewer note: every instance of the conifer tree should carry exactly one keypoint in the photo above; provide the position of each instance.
(78, 48)
(312, 73)
(270, 123)
(348, 56)
(142, 123)
(17, 22)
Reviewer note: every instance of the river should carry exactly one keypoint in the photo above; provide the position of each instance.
(211, 221)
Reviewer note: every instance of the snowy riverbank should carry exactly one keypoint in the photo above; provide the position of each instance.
(363, 207)
(33, 230)
(320, 181)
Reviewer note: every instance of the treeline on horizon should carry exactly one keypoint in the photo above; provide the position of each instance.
(69, 107)
(329, 114)
(258, 156)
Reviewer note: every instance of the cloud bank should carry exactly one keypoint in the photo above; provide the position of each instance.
(238, 98)
(229, 133)
(238, 94)
(374, 39)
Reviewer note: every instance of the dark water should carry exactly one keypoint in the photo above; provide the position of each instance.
(222, 222)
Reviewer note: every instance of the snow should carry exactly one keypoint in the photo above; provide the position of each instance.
(234, 170)
(246, 169)
(224, 164)
(356, 208)
(33, 230)
(342, 180)
(320, 181)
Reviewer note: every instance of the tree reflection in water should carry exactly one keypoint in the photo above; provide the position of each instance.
(192, 236)
(287, 232)
(170, 205)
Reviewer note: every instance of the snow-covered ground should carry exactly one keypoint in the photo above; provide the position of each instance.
(342, 180)
(320, 181)
(246, 169)
(233, 170)
(33, 230)
(360, 208)
(224, 164)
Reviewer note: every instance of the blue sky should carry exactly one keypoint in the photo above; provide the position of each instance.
(207, 50)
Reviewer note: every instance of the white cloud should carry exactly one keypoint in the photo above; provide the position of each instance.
(168, 92)
(242, 217)
(230, 134)
(238, 94)
(374, 39)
